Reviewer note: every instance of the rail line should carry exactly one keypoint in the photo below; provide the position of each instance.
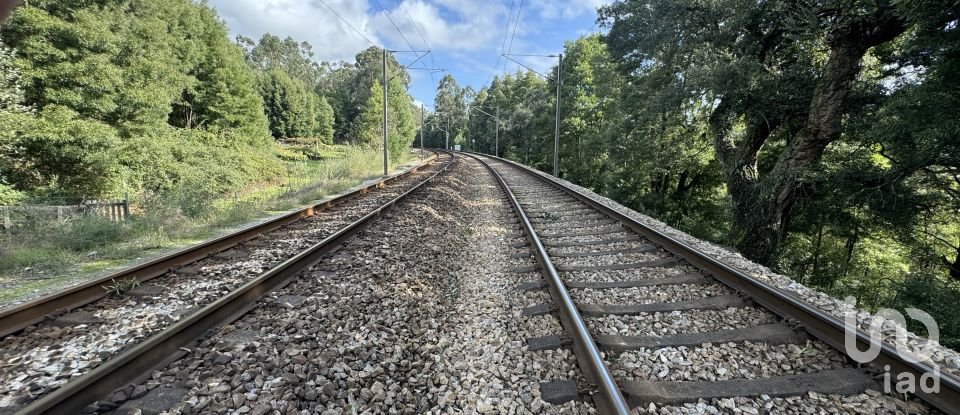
(604, 271)
(136, 360)
(20, 316)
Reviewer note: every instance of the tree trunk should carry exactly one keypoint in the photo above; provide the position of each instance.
(850, 246)
(761, 208)
(816, 254)
(954, 267)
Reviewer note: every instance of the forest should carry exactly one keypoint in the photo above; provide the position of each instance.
(819, 138)
(102, 98)
(152, 102)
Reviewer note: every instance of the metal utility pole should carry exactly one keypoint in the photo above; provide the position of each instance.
(386, 149)
(556, 133)
(421, 131)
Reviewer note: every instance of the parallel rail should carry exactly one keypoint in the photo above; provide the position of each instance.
(18, 317)
(609, 399)
(820, 324)
(164, 347)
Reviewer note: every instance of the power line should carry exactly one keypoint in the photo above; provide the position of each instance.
(394, 25)
(532, 54)
(515, 24)
(417, 28)
(348, 23)
(433, 63)
(503, 47)
(529, 68)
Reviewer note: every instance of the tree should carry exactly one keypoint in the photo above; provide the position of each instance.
(370, 131)
(102, 74)
(754, 62)
(225, 95)
(367, 70)
(59, 154)
(296, 59)
(325, 121)
(400, 125)
(11, 89)
(290, 105)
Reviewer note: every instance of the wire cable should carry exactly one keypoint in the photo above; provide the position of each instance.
(395, 25)
(348, 23)
(433, 63)
(503, 47)
(515, 24)
(528, 68)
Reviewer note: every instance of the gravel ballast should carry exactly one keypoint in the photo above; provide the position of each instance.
(947, 359)
(419, 313)
(45, 356)
(676, 322)
(707, 362)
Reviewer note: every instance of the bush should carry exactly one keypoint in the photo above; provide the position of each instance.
(193, 167)
(936, 298)
(59, 154)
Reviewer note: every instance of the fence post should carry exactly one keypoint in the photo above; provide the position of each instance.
(126, 206)
(7, 223)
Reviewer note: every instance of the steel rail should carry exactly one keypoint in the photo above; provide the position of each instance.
(822, 325)
(609, 400)
(20, 316)
(165, 347)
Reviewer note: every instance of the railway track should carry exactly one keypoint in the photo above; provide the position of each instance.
(657, 325)
(59, 362)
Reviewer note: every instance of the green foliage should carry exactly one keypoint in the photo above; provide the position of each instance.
(325, 121)
(290, 105)
(294, 59)
(353, 84)
(118, 287)
(930, 294)
(194, 166)
(11, 90)
(59, 154)
(400, 126)
(370, 130)
(109, 79)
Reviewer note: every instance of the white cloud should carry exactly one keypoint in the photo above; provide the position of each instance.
(310, 21)
(447, 25)
(564, 9)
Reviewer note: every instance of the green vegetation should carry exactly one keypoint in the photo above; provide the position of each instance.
(819, 138)
(44, 253)
(150, 100)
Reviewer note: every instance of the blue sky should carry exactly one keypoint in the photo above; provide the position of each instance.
(466, 36)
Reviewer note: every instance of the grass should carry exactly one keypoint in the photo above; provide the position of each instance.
(42, 255)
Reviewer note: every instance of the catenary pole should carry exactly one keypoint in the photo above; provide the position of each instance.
(386, 156)
(556, 133)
